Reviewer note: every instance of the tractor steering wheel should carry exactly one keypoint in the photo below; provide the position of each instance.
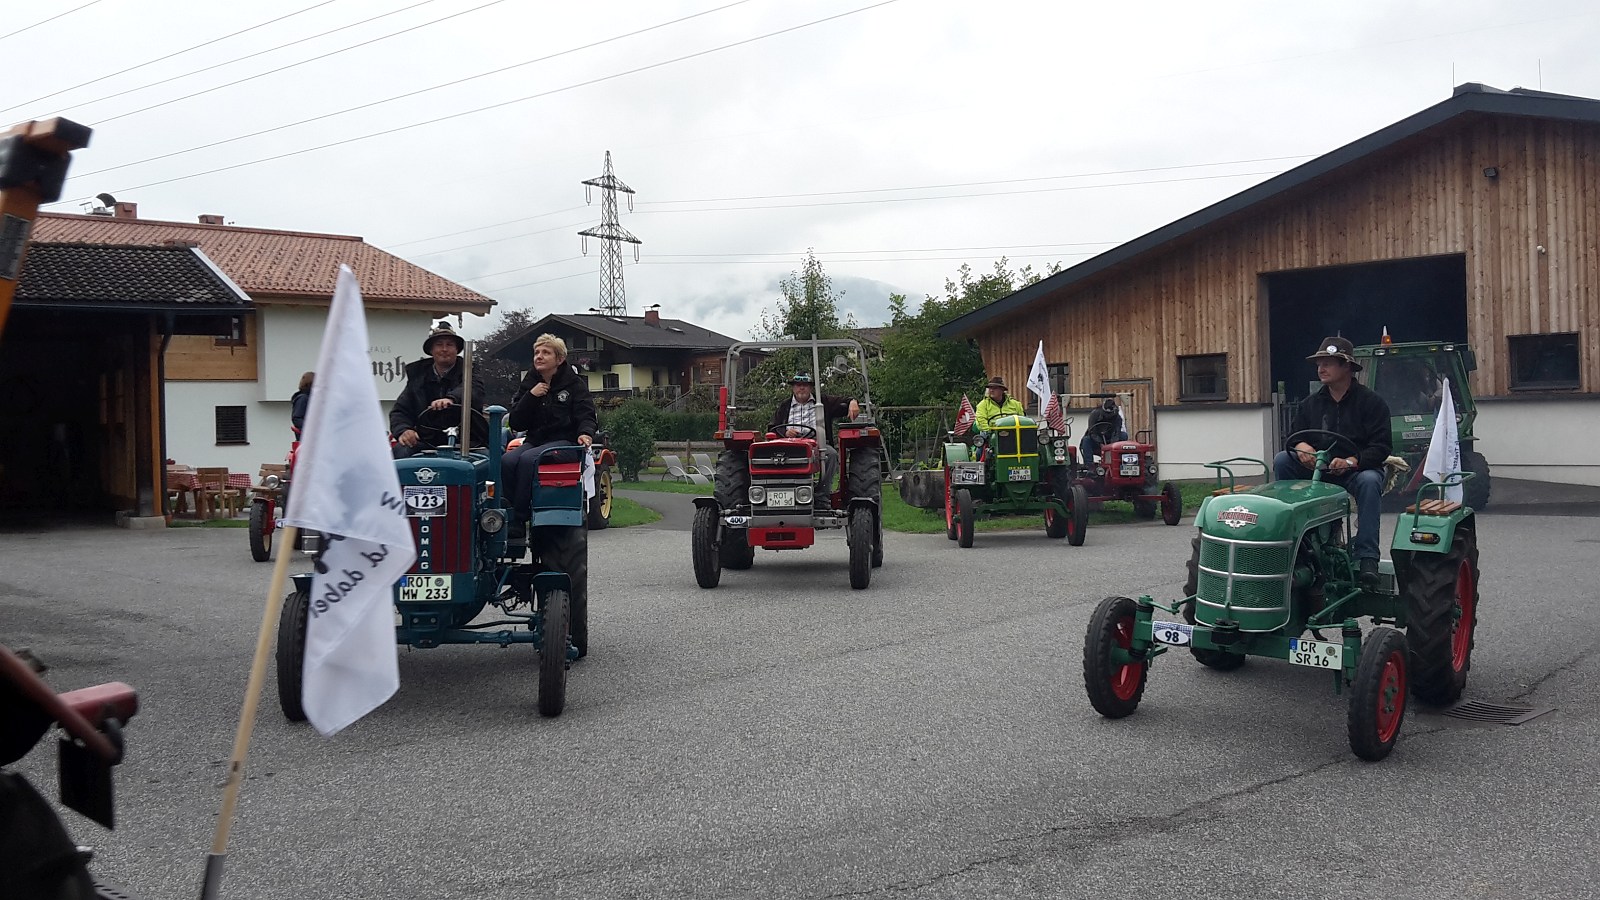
(1291, 440)
(810, 431)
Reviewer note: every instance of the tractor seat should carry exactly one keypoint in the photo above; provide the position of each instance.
(560, 474)
(1236, 489)
(1435, 507)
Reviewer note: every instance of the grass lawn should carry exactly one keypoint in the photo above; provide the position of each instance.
(625, 512)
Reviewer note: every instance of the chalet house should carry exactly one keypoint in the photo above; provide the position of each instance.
(1473, 221)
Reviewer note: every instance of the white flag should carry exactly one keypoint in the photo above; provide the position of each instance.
(1039, 379)
(345, 487)
(1444, 450)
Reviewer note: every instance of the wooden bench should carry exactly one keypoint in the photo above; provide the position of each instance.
(1435, 507)
(1236, 489)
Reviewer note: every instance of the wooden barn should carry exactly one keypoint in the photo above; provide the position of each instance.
(1477, 219)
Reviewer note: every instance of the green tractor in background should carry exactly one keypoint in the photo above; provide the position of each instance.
(1408, 377)
(1019, 470)
(1271, 571)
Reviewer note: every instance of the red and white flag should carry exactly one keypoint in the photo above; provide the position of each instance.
(965, 416)
(1053, 415)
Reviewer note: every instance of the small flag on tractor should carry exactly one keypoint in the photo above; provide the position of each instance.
(1444, 450)
(1039, 377)
(1053, 416)
(965, 416)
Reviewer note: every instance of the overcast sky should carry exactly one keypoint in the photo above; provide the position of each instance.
(899, 139)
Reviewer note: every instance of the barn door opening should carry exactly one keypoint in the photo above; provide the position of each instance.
(1139, 408)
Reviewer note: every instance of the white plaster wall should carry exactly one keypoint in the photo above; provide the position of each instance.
(291, 340)
(1541, 440)
(1187, 439)
(192, 425)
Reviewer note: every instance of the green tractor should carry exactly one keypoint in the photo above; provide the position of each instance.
(1408, 377)
(1019, 470)
(1270, 572)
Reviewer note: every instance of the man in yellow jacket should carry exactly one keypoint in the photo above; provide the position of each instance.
(996, 403)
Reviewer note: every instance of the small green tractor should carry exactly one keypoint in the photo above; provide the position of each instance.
(1271, 571)
(1408, 377)
(1019, 470)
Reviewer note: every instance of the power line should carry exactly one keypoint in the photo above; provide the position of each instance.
(485, 228)
(373, 103)
(51, 19)
(167, 57)
(492, 106)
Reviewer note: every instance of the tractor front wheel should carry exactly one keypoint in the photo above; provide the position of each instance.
(1171, 503)
(734, 550)
(1441, 594)
(732, 479)
(1378, 695)
(707, 570)
(865, 478)
(291, 654)
(553, 653)
(260, 530)
(1115, 686)
(966, 518)
(1220, 660)
(1055, 523)
(859, 537)
(1077, 515)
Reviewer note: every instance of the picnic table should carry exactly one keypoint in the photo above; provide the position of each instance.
(185, 480)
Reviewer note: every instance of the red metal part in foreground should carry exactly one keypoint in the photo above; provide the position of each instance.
(782, 538)
(722, 408)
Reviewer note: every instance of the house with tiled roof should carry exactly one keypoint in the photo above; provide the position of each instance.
(227, 394)
(630, 356)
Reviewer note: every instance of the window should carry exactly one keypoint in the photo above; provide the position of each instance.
(1203, 377)
(1544, 362)
(610, 381)
(236, 337)
(231, 425)
(1060, 378)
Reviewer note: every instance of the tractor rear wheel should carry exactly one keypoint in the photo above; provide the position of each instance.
(1220, 660)
(1378, 694)
(707, 568)
(859, 537)
(1475, 493)
(568, 551)
(260, 530)
(949, 508)
(291, 654)
(732, 488)
(1114, 687)
(966, 518)
(1441, 594)
(553, 653)
(865, 478)
(599, 515)
(734, 550)
(1171, 503)
(1077, 515)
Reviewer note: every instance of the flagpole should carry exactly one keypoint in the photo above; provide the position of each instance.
(466, 398)
(211, 886)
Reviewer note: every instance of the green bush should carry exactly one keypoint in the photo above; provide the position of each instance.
(631, 434)
(688, 426)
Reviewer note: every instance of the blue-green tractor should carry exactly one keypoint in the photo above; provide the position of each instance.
(1019, 469)
(466, 563)
(1271, 574)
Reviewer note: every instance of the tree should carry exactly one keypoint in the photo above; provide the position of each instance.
(501, 377)
(807, 307)
(631, 435)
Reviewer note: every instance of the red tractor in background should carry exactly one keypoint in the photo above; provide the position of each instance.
(269, 505)
(766, 489)
(1126, 470)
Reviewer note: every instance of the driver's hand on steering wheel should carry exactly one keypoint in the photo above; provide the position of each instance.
(408, 438)
(1307, 454)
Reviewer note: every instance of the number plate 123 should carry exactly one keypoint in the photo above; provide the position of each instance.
(1316, 654)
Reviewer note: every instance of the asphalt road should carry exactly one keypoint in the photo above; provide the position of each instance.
(784, 736)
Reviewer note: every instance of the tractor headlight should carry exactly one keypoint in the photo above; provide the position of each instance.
(802, 495)
(1152, 470)
(492, 520)
(1100, 470)
(271, 481)
(758, 494)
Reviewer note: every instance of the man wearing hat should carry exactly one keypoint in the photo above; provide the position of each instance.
(1348, 408)
(995, 403)
(431, 399)
(802, 409)
(1105, 427)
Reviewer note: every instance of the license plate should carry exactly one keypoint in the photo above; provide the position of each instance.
(1131, 470)
(424, 588)
(1130, 457)
(967, 476)
(780, 498)
(1316, 654)
(1178, 633)
(1415, 435)
(425, 502)
(1021, 473)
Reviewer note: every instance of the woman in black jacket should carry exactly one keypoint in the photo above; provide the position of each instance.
(554, 407)
(299, 403)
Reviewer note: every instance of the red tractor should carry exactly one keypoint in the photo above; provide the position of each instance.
(269, 505)
(767, 492)
(1126, 470)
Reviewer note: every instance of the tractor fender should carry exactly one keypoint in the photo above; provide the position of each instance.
(867, 503)
(1414, 531)
(707, 501)
(957, 453)
(545, 582)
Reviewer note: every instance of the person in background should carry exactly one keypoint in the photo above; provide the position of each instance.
(996, 403)
(1105, 427)
(431, 399)
(800, 412)
(299, 403)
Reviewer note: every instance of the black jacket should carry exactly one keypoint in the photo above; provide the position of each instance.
(562, 414)
(832, 408)
(1104, 424)
(1361, 416)
(298, 404)
(423, 387)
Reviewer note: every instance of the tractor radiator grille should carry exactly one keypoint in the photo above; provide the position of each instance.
(444, 543)
(1023, 441)
(1247, 581)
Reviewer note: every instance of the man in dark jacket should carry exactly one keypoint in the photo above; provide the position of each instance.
(431, 399)
(800, 412)
(1105, 427)
(1350, 409)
